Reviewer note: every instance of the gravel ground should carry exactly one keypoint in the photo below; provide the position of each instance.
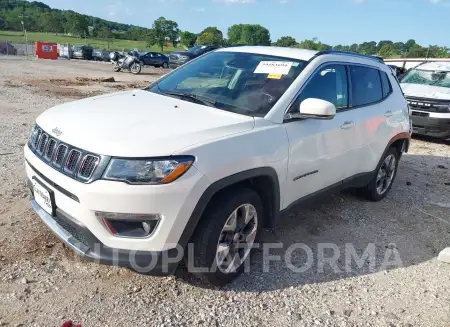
(42, 283)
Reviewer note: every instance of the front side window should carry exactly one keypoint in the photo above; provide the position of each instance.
(244, 83)
(427, 77)
(366, 86)
(329, 84)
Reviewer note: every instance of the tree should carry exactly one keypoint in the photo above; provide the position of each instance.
(400, 48)
(161, 31)
(172, 31)
(416, 51)
(307, 44)
(286, 41)
(387, 51)
(368, 48)
(106, 34)
(188, 39)
(249, 34)
(210, 36)
(51, 23)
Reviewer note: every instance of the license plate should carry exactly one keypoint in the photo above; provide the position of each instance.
(43, 196)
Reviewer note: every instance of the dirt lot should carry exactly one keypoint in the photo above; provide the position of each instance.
(42, 283)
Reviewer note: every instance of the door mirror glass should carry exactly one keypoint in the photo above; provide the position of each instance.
(317, 109)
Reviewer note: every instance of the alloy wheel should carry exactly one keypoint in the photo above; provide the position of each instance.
(237, 238)
(386, 174)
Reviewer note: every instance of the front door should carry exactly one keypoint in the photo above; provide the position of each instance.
(321, 150)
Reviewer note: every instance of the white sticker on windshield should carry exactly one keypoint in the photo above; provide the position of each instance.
(274, 67)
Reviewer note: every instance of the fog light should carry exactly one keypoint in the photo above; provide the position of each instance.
(129, 225)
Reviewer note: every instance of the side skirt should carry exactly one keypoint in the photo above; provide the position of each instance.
(356, 181)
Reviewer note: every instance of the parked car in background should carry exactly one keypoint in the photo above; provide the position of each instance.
(7, 48)
(427, 90)
(154, 59)
(100, 55)
(82, 52)
(178, 58)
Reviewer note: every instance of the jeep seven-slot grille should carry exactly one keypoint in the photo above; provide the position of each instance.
(71, 161)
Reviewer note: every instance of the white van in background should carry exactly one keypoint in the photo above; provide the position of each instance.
(427, 90)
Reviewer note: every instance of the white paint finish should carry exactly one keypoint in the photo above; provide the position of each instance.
(175, 202)
(265, 146)
(143, 124)
(320, 145)
(139, 124)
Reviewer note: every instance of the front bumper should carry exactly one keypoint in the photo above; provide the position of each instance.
(84, 243)
(174, 202)
(425, 124)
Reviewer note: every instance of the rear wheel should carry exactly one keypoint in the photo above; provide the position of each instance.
(226, 235)
(381, 183)
(165, 65)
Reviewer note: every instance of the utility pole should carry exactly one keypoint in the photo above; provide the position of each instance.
(22, 21)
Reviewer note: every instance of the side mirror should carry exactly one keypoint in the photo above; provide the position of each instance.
(316, 109)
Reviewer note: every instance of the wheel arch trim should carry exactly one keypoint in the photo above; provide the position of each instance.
(228, 181)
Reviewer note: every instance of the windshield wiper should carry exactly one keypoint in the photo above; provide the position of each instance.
(197, 98)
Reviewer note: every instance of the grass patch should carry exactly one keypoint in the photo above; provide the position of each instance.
(116, 44)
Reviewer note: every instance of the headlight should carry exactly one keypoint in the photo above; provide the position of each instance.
(148, 171)
(184, 57)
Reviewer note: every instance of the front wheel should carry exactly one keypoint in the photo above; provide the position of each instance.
(165, 65)
(226, 236)
(381, 183)
(135, 68)
(116, 68)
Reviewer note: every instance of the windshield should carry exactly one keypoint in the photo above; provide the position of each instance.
(427, 77)
(196, 49)
(243, 83)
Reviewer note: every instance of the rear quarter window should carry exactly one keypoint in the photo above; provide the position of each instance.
(386, 84)
(366, 86)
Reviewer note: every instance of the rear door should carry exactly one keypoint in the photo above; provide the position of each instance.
(321, 150)
(370, 100)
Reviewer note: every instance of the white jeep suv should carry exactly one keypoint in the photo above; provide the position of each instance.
(212, 153)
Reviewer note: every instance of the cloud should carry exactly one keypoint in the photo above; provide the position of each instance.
(198, 9)
(434, 1)
(233, 2)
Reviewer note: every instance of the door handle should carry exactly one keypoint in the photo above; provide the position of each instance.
(348, 125)
(388, 114)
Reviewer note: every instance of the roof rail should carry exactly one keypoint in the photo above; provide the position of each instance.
(353, 54)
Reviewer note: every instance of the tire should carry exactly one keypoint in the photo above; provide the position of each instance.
(377, 190)
(209, 233)
(116, 68)
(165, 65)
(135, 68)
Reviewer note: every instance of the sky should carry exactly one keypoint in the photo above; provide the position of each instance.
(331, 21)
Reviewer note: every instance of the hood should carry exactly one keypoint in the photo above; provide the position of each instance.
(139, 124)
(185, 53)
(426, 91)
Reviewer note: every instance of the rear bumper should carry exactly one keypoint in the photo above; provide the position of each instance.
(431, 126)
(77, 237)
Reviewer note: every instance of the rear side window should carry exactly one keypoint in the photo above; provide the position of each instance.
(366, 85)
(387, 87)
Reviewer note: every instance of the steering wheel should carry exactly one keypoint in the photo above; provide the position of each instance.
(270, 98)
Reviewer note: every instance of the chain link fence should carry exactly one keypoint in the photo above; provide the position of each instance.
(16, 49)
